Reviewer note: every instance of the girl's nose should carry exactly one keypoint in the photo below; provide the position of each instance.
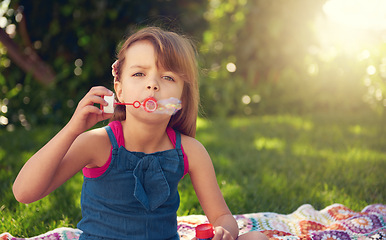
(153, 85)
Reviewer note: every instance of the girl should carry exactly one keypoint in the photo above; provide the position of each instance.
(132, 167)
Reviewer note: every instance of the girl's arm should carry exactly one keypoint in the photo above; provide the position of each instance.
(65, 154)
(204, 181)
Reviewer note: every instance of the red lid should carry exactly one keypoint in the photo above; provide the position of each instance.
(204, 231)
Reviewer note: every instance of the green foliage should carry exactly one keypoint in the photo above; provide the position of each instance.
(375, 78)
(78, 39)
(287, 61)
(266, 41)
(268, 163)
(256, 56)
(220, 89)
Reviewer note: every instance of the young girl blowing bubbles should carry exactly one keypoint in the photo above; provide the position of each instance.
(132, 167)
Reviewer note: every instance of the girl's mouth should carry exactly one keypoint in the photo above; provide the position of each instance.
(150, 104)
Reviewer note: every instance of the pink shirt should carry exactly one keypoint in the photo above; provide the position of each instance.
(116, 126)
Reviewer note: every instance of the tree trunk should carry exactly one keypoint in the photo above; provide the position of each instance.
(28, 60)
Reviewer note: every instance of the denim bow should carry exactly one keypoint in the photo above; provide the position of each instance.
(151, 186)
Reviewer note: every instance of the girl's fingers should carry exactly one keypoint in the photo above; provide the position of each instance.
(221, 233)
(218, 233)
(92, 109)
(100, 91)
(95, 96)
(87, 114)
(95, 99)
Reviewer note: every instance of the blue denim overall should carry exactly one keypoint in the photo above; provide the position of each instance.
(137, 196)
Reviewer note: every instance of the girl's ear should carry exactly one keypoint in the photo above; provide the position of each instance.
(118, 90)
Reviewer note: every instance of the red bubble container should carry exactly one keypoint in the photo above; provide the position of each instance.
(204, 231)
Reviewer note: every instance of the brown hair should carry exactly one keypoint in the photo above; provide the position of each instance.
(175, 53)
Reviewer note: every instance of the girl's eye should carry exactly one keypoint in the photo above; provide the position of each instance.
(168, 78)
(138, 75)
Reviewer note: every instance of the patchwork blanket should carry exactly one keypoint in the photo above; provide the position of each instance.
(335, 222)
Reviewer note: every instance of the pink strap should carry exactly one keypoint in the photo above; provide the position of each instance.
(116, 127)
(172, 136)
(98, 171)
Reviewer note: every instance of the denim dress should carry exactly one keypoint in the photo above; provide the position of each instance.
(136, 197)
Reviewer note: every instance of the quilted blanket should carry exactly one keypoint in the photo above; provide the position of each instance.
(335, 222)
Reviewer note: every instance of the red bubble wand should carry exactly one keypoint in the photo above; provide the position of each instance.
(167, 106)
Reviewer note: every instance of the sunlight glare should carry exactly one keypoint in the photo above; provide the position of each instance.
(362, 14)
(382, 70)
(365, 54)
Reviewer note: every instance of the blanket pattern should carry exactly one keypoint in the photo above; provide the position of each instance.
(335, 222)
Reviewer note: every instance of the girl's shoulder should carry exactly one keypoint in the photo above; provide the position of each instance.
(191, 143)
(95, 136)
(96, 144)
(195, 152)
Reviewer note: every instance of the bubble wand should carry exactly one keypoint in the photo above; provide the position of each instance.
(151, 105)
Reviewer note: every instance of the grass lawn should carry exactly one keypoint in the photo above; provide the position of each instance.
(265, 163)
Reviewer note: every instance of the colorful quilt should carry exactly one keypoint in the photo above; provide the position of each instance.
(335, 222)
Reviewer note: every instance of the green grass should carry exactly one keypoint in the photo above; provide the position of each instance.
(264, 163)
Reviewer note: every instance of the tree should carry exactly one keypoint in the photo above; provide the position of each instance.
(69, 46)
(28, 60)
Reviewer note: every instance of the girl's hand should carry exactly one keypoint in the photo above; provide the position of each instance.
(86, 114)
(221, 233)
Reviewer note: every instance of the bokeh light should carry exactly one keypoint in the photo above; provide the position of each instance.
(231, 67)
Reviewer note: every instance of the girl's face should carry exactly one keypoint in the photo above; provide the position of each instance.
(141, 78)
